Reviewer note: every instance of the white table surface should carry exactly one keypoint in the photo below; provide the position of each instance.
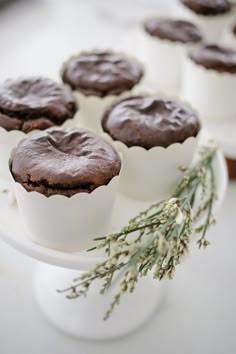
(198, 315)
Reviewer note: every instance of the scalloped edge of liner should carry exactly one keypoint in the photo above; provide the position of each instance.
(83, 195)
(156, 149)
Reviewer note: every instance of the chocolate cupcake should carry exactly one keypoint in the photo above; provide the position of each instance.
(173, 30)
(98, 77)
(211, 15)
(65, 162)
(28, 104)
(152, 134)
(209, 81)
(163, 40)
(65, 182)
(208, 7)
(149, 121)
(214, 57)
(101, 73)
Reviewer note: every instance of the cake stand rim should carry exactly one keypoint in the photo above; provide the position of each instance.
(81, 260)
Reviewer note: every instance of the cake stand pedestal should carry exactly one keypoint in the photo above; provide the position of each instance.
(83, 317)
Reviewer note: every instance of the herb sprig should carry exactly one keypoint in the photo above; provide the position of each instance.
(157, 239)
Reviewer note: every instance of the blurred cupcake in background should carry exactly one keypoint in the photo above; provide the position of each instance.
(229, 35)
(164, 44)
(211, 15)
(97, 78)
(209, 82)
(28, 104)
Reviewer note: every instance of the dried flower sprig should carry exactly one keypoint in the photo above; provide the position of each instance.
(158, 238)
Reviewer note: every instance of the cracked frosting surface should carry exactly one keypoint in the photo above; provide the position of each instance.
(101, 73)
(215, 57)
(34, 103)
(64, 161)
(148, 121)
(173, 30)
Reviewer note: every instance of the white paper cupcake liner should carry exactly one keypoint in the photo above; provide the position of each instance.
(67, 224)
(212, 26)
(152, 174)
(228, 38)
(91, 108)
(210, 92)
(164, 61)
(9, 139)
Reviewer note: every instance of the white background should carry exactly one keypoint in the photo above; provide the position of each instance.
(199, 311)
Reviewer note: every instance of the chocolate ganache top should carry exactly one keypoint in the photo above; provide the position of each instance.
(101, 73)
(149, 121)
(173, 30)
(208, 7)
(215, 57)
(64, 161)
(34, 103)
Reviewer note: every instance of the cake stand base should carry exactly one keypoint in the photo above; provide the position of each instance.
(83, 317)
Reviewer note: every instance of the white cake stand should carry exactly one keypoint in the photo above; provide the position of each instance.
(83, 317)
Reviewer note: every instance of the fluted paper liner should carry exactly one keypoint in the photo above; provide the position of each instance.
(8, 140)
(67, 224)
(164, 60)
(153, 174)
(210, 92)
(92, 107)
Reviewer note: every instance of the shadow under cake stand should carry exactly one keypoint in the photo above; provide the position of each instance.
(83, 317)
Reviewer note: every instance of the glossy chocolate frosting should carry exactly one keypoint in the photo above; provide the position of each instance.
(215, 57)
(34, 103)
(101, 73)
(173, 30)
(208, 7)
(64, 161)
(149, 121)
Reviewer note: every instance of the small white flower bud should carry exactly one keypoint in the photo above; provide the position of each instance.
(179, 217)
(172, 200)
